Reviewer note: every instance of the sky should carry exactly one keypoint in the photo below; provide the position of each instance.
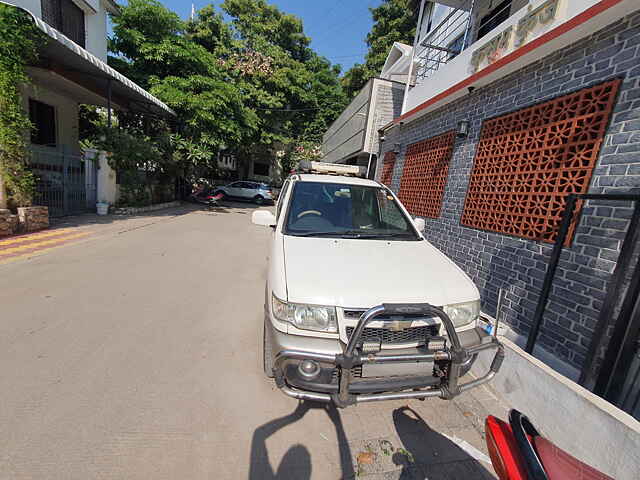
(337, 27)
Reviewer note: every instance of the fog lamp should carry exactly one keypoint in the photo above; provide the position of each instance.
(308, 369)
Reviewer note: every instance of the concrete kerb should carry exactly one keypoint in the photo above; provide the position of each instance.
(585, 425)
(149, 208)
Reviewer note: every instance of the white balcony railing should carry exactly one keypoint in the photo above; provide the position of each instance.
(442, 43)
(455, 33)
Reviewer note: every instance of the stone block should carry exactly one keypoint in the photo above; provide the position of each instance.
(32, 219)
(5, 223)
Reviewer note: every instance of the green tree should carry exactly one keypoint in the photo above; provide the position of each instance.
(18, 48)
(295, 93)
(251, 84)
(158, 50)
(393, 21)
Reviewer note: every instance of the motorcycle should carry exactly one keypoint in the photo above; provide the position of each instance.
(519, 452)
(206, 197)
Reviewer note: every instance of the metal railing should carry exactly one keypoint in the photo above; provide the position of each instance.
(62, 179)
(442, 43)
(453, 35)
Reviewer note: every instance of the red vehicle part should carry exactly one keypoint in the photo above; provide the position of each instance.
(509, 455)
(503, 450)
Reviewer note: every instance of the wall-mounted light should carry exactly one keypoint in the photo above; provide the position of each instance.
(463, 129)
(397, 148)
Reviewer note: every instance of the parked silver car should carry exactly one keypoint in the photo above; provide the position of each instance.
(257, 192)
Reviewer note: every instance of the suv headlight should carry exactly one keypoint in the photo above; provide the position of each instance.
(463, 313)
(318, 318)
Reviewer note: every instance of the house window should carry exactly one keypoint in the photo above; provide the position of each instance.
(425, 174)
(455, 47)
(494, 18)
(66, 17)
(528, 161)
(261, 169)
(43, 118)
(387, 168)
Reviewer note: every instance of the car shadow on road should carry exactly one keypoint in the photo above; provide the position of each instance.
(429, 454)
(296, 462)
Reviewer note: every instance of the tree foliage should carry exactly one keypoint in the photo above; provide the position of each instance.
(18, 47)
(251, 84)
(394, 21)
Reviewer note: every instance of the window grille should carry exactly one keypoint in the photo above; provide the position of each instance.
(425, 175)
(528, 161)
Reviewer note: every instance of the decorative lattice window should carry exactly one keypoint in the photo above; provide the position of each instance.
(424, 176)
(387, 168)
(528, 161)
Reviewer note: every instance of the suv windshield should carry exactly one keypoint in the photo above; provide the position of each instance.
(320, 209)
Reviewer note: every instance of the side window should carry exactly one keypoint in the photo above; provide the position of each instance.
(390, 214)
(235, 185)
(43, 118)
(283, 193)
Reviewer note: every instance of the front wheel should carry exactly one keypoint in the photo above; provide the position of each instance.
(267, 352)
(258, 199)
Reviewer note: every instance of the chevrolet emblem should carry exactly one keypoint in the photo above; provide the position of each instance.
(397, 325)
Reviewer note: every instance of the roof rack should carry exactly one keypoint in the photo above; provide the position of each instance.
(307, 166)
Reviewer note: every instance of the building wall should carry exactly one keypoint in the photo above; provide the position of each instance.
(96, 31)
(67, 134)
(495, 261)
(354, 134)
(346, 135)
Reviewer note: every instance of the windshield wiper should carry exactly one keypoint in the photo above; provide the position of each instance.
(354, 234)
(386, 235)
(315, 234)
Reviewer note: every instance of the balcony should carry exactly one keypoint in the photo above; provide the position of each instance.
(66, 17)
(457, 26)
(475, 42)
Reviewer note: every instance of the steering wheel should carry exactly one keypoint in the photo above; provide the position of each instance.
(309, 212)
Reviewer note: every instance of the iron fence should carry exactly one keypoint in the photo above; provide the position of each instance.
(66, 182)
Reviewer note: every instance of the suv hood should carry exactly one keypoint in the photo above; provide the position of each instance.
(359, 273)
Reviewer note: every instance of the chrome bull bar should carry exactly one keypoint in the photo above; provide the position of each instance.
(455, 355)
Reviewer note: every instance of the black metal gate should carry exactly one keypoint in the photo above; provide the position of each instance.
(612, 366)
(63, 181)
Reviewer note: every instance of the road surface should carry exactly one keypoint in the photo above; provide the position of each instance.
(135, 355)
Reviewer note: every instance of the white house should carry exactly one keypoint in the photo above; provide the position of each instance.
(72, 70)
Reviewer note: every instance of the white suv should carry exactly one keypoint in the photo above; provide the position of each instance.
(358, 305)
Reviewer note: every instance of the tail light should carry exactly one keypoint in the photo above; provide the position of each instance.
(503, 450)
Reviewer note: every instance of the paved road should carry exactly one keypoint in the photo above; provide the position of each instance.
(134, 355)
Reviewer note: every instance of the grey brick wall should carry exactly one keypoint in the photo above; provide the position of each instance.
(495, 261)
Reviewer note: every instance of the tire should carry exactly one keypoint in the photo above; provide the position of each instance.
(258, 200)
(267, 353)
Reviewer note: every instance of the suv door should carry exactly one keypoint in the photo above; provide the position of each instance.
(248, 190)
(233, 190)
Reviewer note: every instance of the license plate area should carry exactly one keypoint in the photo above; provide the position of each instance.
(396, 369)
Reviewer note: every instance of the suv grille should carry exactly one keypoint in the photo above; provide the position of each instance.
(391, 337)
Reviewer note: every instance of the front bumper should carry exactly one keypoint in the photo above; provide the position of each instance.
(335, 382)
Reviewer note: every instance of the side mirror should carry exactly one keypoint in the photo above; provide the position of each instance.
(264, 218)
(419, 224)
